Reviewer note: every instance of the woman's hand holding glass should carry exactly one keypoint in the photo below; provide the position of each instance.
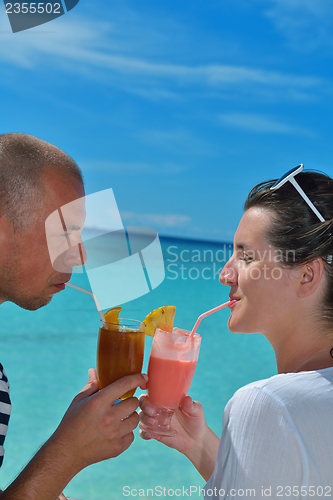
(194, 438)
(189, 422)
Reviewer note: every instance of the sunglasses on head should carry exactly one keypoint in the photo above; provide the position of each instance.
(290, 176)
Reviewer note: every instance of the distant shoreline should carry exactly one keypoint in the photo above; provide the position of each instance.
(193, 240)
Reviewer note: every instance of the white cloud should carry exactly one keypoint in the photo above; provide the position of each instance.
(306, 24)
(94, 50)
(161, 220)
(261, 124)
(181, 140)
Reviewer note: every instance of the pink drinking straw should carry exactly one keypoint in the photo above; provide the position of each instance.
(210, 312)
(93, 296)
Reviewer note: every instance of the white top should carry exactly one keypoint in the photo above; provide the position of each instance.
(277, 439)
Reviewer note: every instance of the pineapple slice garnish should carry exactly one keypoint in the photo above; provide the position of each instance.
(162, 317)
(112, 316)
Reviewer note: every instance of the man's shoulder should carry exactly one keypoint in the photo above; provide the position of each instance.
(3, 375)
(4, 386)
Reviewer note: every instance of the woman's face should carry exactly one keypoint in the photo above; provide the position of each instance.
(264, 290)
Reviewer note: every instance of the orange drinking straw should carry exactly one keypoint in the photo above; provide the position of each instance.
(210, 312)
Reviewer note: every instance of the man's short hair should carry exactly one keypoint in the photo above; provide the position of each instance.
(23, 160)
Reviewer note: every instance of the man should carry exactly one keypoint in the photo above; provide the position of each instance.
(36, 178)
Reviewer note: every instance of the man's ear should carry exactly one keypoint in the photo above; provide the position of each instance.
(310, 277)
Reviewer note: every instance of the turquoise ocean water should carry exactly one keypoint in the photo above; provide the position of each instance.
(47, 353)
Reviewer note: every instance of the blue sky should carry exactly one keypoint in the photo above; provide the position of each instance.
(180, 106)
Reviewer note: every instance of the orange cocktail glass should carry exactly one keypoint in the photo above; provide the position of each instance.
(120, 351)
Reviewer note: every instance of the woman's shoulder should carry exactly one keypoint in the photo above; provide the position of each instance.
(287, 392)
(287, 383)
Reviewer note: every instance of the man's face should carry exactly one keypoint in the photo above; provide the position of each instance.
(27, 277)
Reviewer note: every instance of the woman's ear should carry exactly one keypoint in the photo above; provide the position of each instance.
(310, 277)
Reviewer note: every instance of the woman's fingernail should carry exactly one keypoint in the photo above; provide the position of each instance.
(145, 376)
(151, 421)
(150, 411)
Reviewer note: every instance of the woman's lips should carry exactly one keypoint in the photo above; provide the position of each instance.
(233, 301)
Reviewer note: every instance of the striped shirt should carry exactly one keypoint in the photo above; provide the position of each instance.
(5, 407)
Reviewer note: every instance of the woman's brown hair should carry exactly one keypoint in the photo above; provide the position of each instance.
(295, 230)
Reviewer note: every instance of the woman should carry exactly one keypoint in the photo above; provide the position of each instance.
(277, 437)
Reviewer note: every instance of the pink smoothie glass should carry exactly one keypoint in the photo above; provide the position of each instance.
(172, 363)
